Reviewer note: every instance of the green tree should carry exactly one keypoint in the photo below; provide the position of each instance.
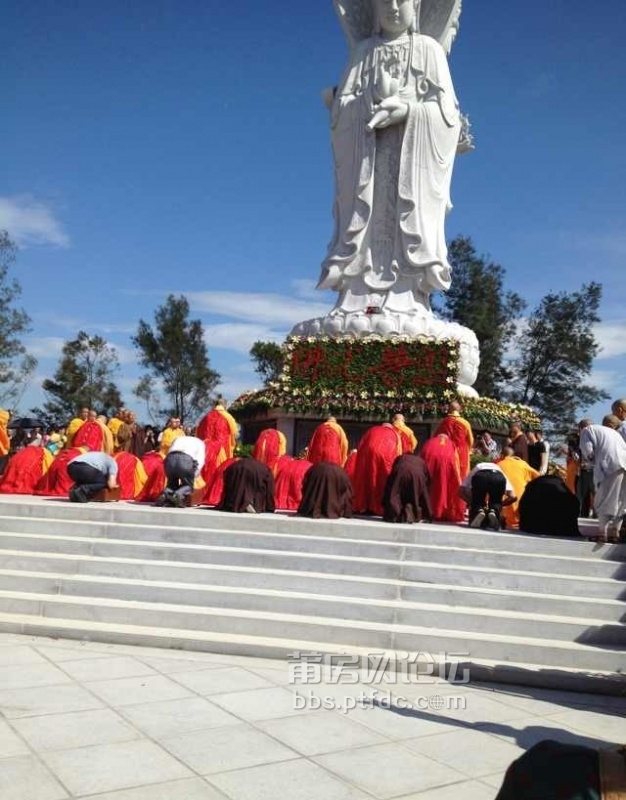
(269, 358)
(16, 368)
(478, 300)
(555, 352)
(84, 378)
(176, 357)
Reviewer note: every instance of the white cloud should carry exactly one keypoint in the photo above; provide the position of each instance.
(75, 324)
(613, 242)
(239, 336)
(267, 309)
(611, 336)
(44, 347)
(31, 222)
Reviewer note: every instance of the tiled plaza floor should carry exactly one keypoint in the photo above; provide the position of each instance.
(127, 723)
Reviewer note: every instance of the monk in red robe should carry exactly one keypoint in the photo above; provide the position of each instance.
(214, 490)
(290, 474)
(269, 447)
(131, 475)
(56, 482)
(442, 462)
(24, 470)
(156, 481)
(5, 442)
(219, 425)
(377, 451)
(215, 456)
(329, 443)
(460, 431)
(409, 439)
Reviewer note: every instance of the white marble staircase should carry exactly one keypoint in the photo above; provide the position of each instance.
(528, 609)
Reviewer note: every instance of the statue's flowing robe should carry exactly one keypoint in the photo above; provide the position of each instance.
(392, 188)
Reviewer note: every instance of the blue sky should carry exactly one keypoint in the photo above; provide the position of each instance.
(163, 147)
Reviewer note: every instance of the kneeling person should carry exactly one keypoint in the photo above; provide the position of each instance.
(486, 480)
(183, 464)
(91, 472)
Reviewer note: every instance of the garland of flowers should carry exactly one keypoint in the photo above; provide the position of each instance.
(373, 378)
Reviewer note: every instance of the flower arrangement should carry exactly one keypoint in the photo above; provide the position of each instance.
(373, 378)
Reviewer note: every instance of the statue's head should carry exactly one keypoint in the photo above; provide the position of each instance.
(396, 16)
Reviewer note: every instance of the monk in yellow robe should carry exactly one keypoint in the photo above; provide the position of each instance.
(328, 443)
(519, 474)
(75, 424)
(460, 431)
(409, 439)
(269, 447)
(171, 432)
(219, 425)
(114, 425)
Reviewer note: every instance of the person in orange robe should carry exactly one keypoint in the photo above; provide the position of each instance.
(442, 462)
(290, 474)
(519, 474)
(171, 432)
(74, 425)
(328, 443)
(219, 425)
(131, 475)
(378, 449)
(5, 442)
(25, 469)
(460, 431)
(94, 435)
(56, 482)
(114, 425)
(269, 447)
(409, 439)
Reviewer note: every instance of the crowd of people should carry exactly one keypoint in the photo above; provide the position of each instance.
(389, 474)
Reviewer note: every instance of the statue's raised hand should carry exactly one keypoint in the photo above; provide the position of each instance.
(390, 111)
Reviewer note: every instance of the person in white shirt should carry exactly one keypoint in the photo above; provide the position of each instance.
(182, 465)
(486, 479)
(619, 409)
(606, 450)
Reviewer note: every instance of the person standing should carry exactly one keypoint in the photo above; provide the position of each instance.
(619, 409)
(460, 431)
(329, 443)
(606, 449)
(537, 453)
(518, 442)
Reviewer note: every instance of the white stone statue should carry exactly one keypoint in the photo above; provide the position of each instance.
(396, 127)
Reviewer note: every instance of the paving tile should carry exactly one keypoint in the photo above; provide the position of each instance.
(16, 655)
(24, 778)
(103, 768)
(221, 749)
(42, 700)
(132, 691)
(192, 789)
(296, 780)
(528, 731)
(22, 676)
(320, 732)
(258, 704)
(388, 770)
(401, 724)
(107, 668)
(471, 752)
(80, 651)
(607, 727)
(174, 717)
(467, 790)
(171, 665)
(222, 680)
(77, 729)
(10, 742)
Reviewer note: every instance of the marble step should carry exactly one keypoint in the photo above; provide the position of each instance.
(344, 634)
(329, 555)
(295, 573)
(592, 630)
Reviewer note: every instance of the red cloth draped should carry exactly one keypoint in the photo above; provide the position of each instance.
(328, 443)
(215, 456)
(350, 465)
(290, 474)
(156, 483)
(460, 431)
(128, 479)
(218, 426)
(56, 482)
(378, 449)
(442, 462)
(269, 447)
(25, 470)
(215, 488)
(89, 435)
(152, 462)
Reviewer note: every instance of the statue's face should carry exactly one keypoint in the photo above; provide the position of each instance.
(395, 16)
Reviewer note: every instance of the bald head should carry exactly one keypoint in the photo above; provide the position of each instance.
(585, 423)
(619, 409)
(611, 421)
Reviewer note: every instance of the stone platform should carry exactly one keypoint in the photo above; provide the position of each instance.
(524, 609)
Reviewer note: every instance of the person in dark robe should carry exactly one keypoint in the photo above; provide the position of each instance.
(406, 496)
(248, 486)
(547, 506)
(552, 770)
(326, 492)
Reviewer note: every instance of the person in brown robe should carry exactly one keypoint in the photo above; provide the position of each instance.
(326, 492)
(248, 486)
(406, 497)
